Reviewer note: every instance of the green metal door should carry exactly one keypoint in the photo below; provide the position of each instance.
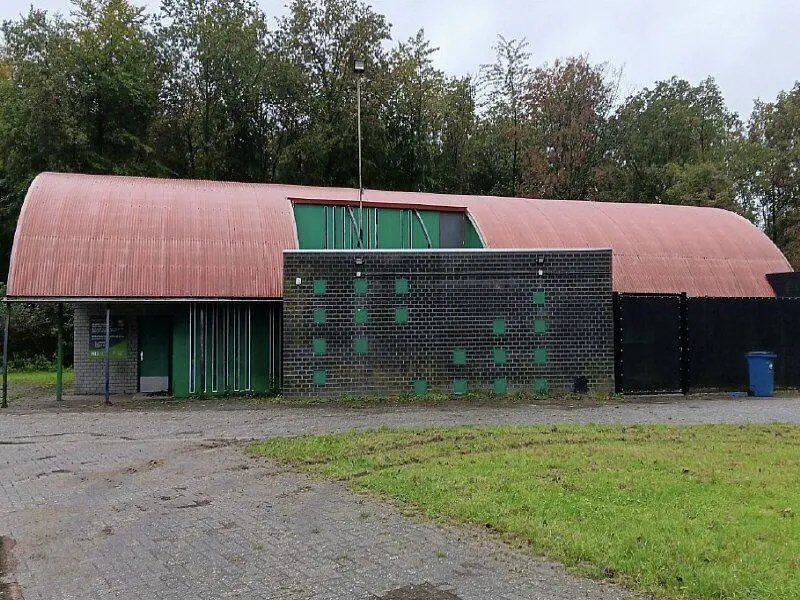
(155, 333)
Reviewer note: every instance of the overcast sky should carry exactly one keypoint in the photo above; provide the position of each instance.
(751, 47)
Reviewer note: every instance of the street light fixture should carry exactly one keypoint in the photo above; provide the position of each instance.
(359, 67)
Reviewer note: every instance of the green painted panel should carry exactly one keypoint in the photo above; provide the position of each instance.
(360, 287)
(421, 387)
(259, 349)
(320, 376)
(498, 327)
(390, 228)
(540, 356)
(401, 314)
(538, 297)
(320, 316)
(471, 237)
(540, 326)
(499, 356)
(180, 354)
(500, 385)
(460, 386)
(459, 357)
(310, 220)
(360, 345)
(320, 287)
(540, 386)
(361, 316)
(401, 286)
(319, 346)
(431, 220)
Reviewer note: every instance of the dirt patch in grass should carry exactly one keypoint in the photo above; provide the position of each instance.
(709, 511)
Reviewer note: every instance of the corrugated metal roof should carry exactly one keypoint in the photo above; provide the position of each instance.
(101, 236)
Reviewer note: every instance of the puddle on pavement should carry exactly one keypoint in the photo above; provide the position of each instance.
(8, 590)
(424, 591)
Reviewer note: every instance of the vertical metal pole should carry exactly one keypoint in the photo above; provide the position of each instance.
(6, 327)
(360, 184)
(60, 354)
(107, 357)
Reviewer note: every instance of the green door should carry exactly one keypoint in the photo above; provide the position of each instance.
(155, 333)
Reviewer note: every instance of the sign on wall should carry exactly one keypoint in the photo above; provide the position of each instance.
(118, 344)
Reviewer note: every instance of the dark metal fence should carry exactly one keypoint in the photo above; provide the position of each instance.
(671, 343)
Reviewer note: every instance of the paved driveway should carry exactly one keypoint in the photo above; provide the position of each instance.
(163, 503)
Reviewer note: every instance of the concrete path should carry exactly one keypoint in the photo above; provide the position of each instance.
(163, 503)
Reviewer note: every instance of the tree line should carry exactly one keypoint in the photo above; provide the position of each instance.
(217, 89)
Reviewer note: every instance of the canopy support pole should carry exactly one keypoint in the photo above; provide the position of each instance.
(60, 354)
(107, 356)
(6, 327)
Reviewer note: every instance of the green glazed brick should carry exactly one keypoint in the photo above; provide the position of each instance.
(360, 345)
(400, 286)
(540, 326)
(499, 356)
(459, 357)
(320, 316)
(421, 387)
(320, 377)
(401, 314)
(361, 316)
(459, 386)
(540, 386)
(498, 326)
(319, 346)
(500, 385)
(360, 287)
(540, 356)
(538, 297)
(320, 287)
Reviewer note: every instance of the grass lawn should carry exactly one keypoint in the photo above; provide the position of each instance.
(43, 379)
(696, 512)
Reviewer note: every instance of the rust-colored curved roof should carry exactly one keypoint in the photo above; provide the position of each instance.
(98, 236)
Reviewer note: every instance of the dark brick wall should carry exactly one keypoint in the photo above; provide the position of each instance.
(480, 320)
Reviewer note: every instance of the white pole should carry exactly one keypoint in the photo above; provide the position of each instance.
(360, 184)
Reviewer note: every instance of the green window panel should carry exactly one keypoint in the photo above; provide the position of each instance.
(320, 376)
(360, 287)
(421, 387)
(500, 385)
(499, 356)
(540, 356)
(540, 326)
(320, 287)
(498, 327)
(401, 286)
(540, 386)
(319, 346)
(538, 297)
(401, 314)
(459, 386)
(320, 316)
(361, 316)
(459, 357)
(360, 345)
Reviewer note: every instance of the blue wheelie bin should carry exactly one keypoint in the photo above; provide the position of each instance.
(761, 367)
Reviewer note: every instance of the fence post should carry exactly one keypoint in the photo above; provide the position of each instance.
(619, 384)
(684, 341)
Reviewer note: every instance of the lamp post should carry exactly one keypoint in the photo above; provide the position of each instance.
(359, 66)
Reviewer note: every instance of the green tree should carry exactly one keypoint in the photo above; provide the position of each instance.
(772, 181)
(507, 81)
(672, 144)
(322, 38)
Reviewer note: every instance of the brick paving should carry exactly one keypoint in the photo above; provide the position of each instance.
(141, 501)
